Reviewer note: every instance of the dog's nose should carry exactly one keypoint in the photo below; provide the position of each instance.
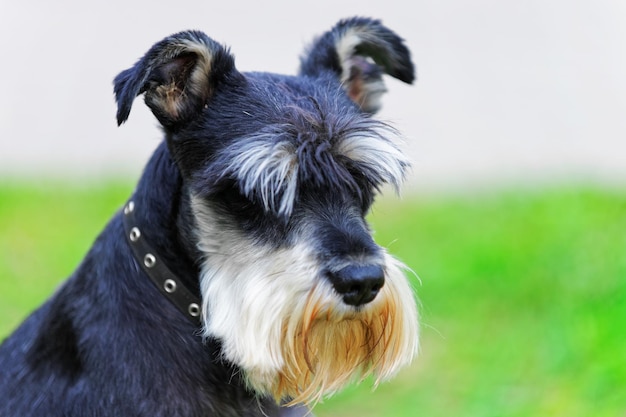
(358, 284)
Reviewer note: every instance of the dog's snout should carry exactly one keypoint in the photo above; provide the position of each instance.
(358, 284)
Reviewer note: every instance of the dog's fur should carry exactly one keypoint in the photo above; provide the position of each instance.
(256, 199)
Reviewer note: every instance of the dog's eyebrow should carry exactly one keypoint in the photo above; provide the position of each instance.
(269, 164)
(265, 168)
(376, 156)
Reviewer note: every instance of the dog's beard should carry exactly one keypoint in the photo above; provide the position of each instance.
(326, 346)
(284, 326)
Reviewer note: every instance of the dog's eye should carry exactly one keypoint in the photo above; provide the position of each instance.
(235, 201)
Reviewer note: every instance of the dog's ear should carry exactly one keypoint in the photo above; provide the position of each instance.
(359, 51)
(177, 75)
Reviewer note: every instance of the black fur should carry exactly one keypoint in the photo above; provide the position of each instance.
(107, 343)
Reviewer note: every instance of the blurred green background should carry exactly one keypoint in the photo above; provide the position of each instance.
(522, 292)
(521, 287)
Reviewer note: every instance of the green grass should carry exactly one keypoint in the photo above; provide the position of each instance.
(522, 294)
(45, 230)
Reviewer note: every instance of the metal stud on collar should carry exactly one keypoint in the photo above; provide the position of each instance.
(135, 234)
(194, 310)
(169, 285)
(129, 208)
(149, 260)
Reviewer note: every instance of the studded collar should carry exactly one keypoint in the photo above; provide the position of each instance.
(165, 280)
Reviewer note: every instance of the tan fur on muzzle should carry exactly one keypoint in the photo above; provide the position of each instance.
(327, 346)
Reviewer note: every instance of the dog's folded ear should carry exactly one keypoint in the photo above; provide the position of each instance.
(358, 51)
(177, 75)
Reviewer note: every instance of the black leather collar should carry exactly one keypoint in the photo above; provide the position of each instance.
(165, 280)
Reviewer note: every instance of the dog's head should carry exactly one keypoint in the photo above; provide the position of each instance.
(280, 173)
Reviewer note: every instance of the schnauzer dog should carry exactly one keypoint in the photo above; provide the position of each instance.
(241, 278)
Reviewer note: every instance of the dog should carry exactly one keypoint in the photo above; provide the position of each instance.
(241, 278)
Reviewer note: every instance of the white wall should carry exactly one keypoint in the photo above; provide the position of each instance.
(507, 90)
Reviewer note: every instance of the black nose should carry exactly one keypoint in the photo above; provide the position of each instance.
(358, 285)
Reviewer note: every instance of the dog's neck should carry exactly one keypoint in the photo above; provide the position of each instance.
(161, 212)
(166, 280)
